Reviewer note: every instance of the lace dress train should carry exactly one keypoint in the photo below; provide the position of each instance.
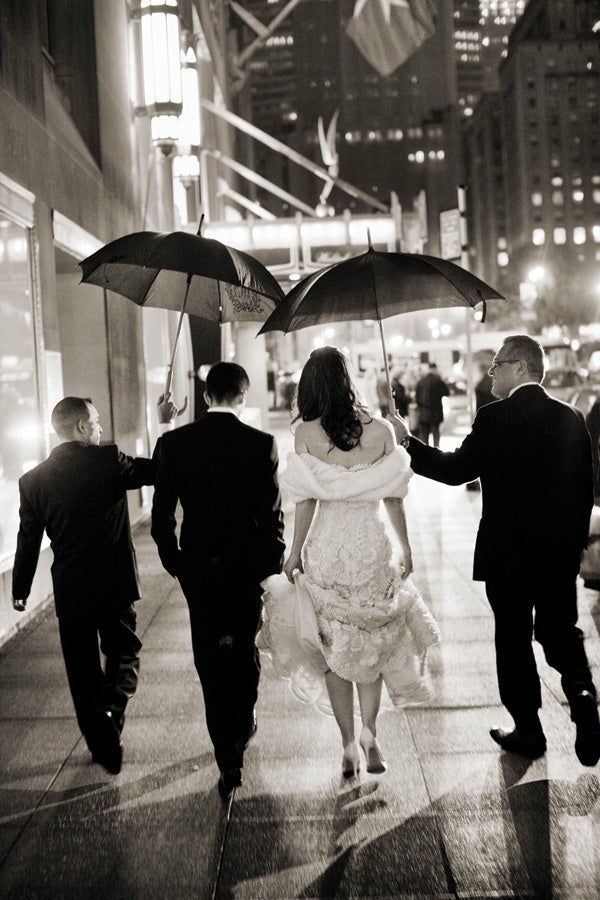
(349, 611)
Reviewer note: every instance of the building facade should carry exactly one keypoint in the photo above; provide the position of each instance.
(545, 233)
(78, 168)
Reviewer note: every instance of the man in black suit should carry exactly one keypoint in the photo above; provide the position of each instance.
(429, 393)
(532, 454)
(78, 495)
(224, 474)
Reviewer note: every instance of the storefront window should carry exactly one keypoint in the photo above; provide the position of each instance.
(20, 433)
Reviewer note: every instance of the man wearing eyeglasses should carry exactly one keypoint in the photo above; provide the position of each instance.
(532, 454)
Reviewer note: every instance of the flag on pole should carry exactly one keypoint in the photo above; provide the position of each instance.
(387, 32)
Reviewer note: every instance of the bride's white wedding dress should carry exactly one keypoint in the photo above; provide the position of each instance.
(350, 611)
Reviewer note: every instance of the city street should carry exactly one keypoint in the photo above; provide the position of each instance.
(452, 817)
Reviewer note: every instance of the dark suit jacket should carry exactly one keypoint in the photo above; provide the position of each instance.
(429, 391)
(533, 456)
(224, 474)
(78, 495)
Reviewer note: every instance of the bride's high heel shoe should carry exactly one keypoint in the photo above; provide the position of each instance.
(350, 761)
(373, 755)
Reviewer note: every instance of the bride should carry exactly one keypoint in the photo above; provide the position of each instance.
(354, 617)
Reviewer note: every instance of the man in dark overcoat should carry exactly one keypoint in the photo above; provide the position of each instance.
(533, 456)
(224, 474)
(79, 497)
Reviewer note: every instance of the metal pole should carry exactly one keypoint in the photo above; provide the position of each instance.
(464, 261)
(176, 341)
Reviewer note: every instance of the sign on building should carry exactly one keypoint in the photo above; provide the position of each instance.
(450, 245)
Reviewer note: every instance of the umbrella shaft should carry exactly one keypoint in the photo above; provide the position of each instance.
(177, 333)
(386, 367)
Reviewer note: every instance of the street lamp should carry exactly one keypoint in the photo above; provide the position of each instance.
(162, 93)
(186, 165)
(161, 65)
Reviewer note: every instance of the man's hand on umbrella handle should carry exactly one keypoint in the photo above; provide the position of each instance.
(167, 410)
(400, 427)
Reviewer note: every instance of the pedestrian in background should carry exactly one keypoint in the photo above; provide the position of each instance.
(429, 392)
(483, 389)
(224, 475)
(79, 497)
(401, 398)
(532, 454)
(383, 394)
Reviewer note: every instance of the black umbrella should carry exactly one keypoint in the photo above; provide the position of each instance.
(377, 285)
(186, 273)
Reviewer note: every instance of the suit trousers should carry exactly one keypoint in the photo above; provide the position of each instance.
(545, 608)
(224, 621)
(93, 688)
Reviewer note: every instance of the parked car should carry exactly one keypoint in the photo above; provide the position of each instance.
(584, 397)
(563, 383)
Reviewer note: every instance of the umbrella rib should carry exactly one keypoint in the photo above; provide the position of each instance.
(380, 323)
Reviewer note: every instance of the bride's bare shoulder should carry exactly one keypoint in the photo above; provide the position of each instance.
(378, 426)
(306, 435)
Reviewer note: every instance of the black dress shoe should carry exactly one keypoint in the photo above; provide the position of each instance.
(228, 780)
(253, 726)
(530, 745)
(584, 712)
(105, 742)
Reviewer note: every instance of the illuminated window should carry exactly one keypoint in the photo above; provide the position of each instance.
(596, 233)
(577, 196)
(579, 235)
(560, 236)
(558, 198)
(536, 199)
(503, 258)
(596, 195)
(538, 236)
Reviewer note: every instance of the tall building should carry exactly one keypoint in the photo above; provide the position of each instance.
(548, 111)
(394, 133)
(481, 32)
(398, 132)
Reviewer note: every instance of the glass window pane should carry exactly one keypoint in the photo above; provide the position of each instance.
(20, 433)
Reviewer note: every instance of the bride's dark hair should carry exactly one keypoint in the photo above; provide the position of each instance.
(326, 392)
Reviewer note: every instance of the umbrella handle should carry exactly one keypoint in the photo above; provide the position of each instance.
(167, 394)
(386, 367)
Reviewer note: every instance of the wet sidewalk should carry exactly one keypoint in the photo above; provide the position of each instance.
(452, 817)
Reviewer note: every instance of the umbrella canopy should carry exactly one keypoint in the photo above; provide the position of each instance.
(186, 273)
(377, 285)
(158, 270)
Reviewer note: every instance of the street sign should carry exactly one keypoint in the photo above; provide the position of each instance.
(450, 243)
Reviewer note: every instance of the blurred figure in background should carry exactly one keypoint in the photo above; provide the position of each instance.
(383, 396)
(400, 393)
(592, 421)
(483, 388)
(430, 390)
(483, 396)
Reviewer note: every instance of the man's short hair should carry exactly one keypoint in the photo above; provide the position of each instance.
(67, 413)
(226, 381)
(522, 346)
